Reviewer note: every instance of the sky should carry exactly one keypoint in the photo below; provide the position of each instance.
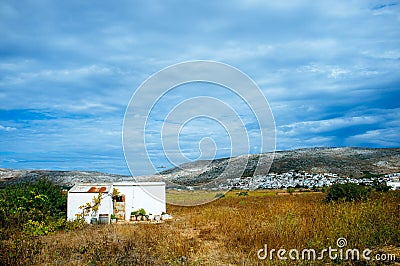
(68, 69)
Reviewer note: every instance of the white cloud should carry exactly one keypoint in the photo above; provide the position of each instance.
(321, 126)
(388, 137)
(6, 128)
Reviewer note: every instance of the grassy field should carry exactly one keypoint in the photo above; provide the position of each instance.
(227, 231)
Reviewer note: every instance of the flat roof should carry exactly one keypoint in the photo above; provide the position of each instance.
(107, 187)
(127, 183)
(90, 188)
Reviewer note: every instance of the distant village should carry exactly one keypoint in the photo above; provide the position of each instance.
(306, 180)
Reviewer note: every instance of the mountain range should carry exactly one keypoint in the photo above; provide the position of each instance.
(344, 161)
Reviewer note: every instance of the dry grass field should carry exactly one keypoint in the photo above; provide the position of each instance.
(228, 231)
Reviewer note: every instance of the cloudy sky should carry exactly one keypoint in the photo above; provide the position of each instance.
(329, 69)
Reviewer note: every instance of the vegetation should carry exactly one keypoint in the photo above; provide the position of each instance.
(91, 207)
(37, 209)
(347, 192)
(227, 231)
(30, 210)
(353, 192)
(291, 190)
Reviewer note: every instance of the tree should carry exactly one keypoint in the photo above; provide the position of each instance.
(346, 192)
(41, 201)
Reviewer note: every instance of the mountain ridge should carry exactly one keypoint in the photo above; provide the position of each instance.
(344, 161)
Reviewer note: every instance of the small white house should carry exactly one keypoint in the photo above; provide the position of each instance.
(393, 184)
(132, 196)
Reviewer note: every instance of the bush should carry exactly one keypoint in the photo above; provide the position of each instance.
(291, 190)
(32, 208)
(346, 192)
(381, 188)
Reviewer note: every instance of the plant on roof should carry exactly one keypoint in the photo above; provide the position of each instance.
(115, 193)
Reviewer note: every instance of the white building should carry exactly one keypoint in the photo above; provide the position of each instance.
(393, 184)
(132, 196)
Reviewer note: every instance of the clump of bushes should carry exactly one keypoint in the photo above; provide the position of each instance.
(32, 208)
(347, 192)
(381, 188)
(291, 190)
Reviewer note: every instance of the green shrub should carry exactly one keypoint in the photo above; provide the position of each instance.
(78, 223)
(381, 188)
(28, 205)
(291, 190)
(346, 192)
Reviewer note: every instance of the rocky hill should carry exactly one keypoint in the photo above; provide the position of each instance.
(63, 178)
(346, 162)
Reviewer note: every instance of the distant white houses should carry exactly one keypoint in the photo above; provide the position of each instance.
(131, 196)
(393, 184)
(394, 180)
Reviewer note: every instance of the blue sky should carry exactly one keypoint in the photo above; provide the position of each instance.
(329, 69)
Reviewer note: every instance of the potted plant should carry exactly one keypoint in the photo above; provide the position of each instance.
(134, 216)
(142, 214)
(113, 219)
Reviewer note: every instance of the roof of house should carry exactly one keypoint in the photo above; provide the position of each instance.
(107, 187)
(125, 183)
(91, 188)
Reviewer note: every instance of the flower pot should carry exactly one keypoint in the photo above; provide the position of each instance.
(166, 217)
(103, 219)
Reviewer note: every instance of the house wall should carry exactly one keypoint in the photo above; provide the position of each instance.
(149, 197)
(76, 199)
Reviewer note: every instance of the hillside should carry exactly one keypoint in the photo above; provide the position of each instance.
(63, 178)
(343, 161)
(346, 161)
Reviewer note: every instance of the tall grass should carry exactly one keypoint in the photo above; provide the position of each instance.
(228, 231)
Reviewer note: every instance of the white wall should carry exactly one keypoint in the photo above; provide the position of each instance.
(149, 197)
(76, 199)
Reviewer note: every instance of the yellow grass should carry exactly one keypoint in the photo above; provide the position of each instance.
(228, 231)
